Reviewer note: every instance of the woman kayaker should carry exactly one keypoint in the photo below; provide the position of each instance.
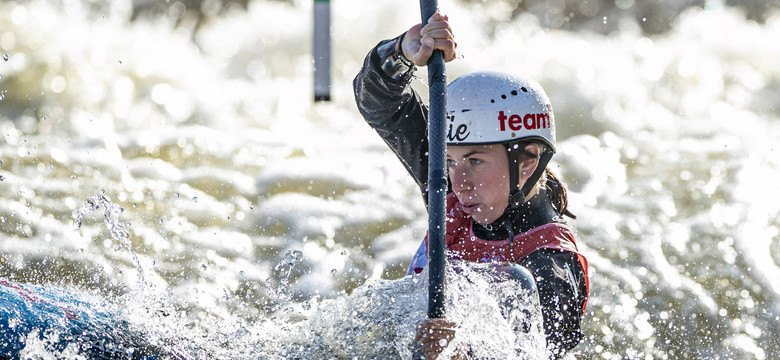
(504, 205)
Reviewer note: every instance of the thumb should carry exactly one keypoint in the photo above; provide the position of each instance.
(426, 50)
(428, 44)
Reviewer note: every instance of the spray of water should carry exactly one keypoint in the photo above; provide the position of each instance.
(279, 294)
(119, 233)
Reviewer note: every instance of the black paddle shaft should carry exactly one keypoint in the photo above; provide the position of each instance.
(437, 176)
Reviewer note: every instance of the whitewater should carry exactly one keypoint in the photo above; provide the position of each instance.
(179, 175)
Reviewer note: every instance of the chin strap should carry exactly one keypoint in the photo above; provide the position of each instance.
(516, 195)
(510, 231)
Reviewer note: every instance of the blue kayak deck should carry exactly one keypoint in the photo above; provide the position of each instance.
(59, 318)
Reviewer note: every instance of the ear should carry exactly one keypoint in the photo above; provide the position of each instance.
(528, 165)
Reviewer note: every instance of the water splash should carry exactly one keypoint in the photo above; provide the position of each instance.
(279, 293)
(118, 231)
(422, 79)
(377, 320)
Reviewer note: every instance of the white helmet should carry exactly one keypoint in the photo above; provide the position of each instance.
(492, 107)
(497, 108)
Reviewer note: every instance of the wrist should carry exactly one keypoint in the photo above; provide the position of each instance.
(392, 60)
(399, 49)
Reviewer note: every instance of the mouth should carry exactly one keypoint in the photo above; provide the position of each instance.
(469, 208)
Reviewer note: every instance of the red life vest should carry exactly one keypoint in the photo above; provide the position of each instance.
(462, 244)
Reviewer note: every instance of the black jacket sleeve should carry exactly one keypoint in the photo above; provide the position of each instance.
(560, 281)
(390, 106)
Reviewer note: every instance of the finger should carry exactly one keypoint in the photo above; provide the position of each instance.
(433, 349)
(432, 352)
(439, 29)
(434, 329)
(425, 52)
(431, 355)
(445, 45)
(438, 33)
(440, 327)
(437, 338)
(450, 56)
(438, 16)
(440, 324)
(448, 48)
(422, 329)
(445, 322)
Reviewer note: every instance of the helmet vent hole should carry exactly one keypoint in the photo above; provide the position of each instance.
(492, 101)
(524, 89)
(503, 96)
(514, 92)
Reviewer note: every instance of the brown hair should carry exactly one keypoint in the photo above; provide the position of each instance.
(548, 181)
(554, 186)
(557, 194)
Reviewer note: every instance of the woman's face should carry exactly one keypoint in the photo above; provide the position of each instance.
(479, 175)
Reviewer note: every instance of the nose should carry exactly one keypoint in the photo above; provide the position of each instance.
(460, 179)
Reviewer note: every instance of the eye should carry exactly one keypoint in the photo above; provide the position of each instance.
(451, 163)
(473, 161)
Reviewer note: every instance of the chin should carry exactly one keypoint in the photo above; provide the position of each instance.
(483, 220)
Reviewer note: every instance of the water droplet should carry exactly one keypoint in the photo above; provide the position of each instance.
(195, 199)
(333, 272)
(293, 257)
(176, 195)
(6, 57)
